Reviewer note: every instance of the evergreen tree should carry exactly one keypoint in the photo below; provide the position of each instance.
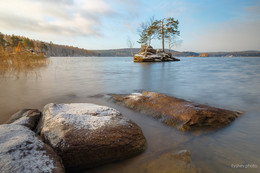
(143, 34)
(167, 30)
(27, 43)
(164, 28)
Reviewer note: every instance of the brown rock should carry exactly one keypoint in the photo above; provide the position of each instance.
(21, 150)
(177, 112)
(87, 135)
(26, 117)
(149, 49)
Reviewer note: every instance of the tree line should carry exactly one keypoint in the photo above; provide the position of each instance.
(13, 44)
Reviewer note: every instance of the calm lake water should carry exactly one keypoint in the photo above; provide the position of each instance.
(230, 83)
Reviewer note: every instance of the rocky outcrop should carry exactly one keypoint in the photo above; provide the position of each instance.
(177, 112)
(87, 135)
(148, 54)
(25, 117)
(22, 151)
(175, 161)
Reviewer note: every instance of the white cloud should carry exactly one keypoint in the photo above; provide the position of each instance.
(66, 17)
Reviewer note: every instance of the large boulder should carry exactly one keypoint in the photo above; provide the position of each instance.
(22, 151)
(86, 135)
(177, 112)
(25, 117)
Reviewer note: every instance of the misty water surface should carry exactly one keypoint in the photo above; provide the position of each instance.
(230, 83)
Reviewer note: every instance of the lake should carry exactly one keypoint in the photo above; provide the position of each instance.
(230, 83)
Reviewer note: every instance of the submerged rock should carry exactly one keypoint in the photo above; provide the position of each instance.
(177, 112)
(86, 135)
(22, 151)
(26, 117)
(175, 161)
(148, 54)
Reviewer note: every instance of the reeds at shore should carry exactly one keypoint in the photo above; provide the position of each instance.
(15, 63)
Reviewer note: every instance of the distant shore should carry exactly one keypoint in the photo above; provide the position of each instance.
(124, 52)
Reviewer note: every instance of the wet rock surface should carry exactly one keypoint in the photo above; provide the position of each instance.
(22, 151)
(177, 112)
(87, 135)
(26, 117)
(148, 54)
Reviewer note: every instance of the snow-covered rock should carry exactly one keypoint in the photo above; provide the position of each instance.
(148, 54)
(87, 135)
(25, 117)
(22, 151)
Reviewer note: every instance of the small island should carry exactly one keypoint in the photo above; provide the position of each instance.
(148, 54)
(160, 30)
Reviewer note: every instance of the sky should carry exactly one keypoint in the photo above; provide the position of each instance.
(205, 25)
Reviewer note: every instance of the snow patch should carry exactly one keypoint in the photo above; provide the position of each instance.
(80, 115)
(135, 96)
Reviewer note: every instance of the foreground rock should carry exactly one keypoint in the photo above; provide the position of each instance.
(87, 135)
(22, 151)
(176, 112)
(175, 161)
(148, 54)
(26, 117)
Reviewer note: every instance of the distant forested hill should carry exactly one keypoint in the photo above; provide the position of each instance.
(62, 50)
(12, 42)
(127, 52)
(235, 54)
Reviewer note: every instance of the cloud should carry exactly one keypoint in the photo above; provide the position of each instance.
(64, 17)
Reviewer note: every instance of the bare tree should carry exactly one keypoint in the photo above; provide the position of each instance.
(173, 41)
(130, 44)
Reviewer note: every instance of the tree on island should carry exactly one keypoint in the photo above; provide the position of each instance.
(158, 28)
(147, 32)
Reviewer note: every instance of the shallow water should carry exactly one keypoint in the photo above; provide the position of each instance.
(230, 83)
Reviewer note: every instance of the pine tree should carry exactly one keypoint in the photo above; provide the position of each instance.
(166, 30)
